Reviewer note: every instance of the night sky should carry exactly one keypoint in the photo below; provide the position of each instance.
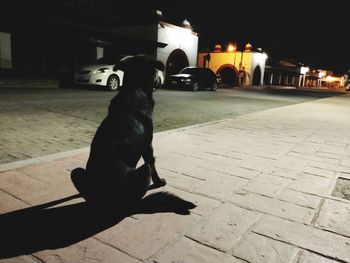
(315, 33)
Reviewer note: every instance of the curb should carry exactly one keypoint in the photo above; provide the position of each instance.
(42, 159)
(29, 83)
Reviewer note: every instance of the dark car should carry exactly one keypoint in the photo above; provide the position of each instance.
(193, 78)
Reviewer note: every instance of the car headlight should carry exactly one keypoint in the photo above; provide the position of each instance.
(102, 70)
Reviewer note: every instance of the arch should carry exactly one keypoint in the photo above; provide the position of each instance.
(257, 76)
(176, 61)
(228, 74)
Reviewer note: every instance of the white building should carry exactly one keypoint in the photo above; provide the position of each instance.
(175, 46)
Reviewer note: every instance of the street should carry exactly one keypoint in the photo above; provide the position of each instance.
(37, 122)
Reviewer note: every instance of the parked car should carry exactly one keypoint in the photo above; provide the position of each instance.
(193, 78)
(100, 73)
(347, 86)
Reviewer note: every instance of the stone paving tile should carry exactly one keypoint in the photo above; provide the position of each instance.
(108, 235)
(267, 185)
(224, 227)
(335, 217)
(346, 162)
(318, 172)
(307, 148)
(187, 169)
(308, 257)
(231, 170)
(330, 167)
(189, 251)
(212, 157)
(180, 181)
(21, 259)
(315, 158)
(298, 198)
(291, 163)
(238, 172)
(273, 207)
(151, 234)
(20, 185)
(328, 155)
(89, 250)
(338, 150)
(282, 172)
(222, 187)
(307, 237)
(260, 249)
(193, 166)
(316, 185)
(10, 203)
(46, 172)
(257, 163)
(52, 193)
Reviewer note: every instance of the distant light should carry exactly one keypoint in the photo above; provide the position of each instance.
(217, 48)
(186, 24)
(159, 12)
(330, 79)
(260, 57)
(230, 48)
(248, 47)
(304, 70)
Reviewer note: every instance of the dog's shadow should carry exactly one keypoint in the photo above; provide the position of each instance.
(40, 227)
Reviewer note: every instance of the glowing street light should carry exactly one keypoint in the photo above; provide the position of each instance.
(230, 48)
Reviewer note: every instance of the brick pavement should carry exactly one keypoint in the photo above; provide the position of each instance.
(262, 183)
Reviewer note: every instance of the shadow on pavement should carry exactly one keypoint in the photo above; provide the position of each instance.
(40, 227)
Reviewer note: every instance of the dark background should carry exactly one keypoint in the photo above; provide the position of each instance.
(315, 33)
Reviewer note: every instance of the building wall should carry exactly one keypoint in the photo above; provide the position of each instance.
(5, 51)
(258, 59)
(173, 36)
(238, 59)
(177, 38)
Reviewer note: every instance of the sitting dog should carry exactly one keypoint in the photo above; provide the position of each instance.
(123, 137)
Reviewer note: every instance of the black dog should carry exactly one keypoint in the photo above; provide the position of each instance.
(123, 137)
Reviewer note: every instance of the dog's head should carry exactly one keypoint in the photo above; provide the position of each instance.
(140, 71)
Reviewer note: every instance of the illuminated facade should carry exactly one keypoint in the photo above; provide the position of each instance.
(235, 67)
(284, 73)
(324, 78)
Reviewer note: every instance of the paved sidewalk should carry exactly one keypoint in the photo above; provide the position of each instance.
(263, 184)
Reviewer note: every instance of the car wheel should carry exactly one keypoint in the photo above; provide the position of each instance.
(214, 87)
(195, 86)
(113, 83)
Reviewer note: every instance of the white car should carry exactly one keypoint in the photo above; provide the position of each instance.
(100, 73)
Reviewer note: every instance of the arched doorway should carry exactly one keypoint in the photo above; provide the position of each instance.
(177, 60)
(228, 74)
(257, 76)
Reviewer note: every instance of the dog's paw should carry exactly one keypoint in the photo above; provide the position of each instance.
(160, 183)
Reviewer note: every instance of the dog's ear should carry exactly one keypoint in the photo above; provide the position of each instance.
(122, 64)
(159, 65)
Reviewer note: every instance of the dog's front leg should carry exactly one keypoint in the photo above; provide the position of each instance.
(148, 157)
